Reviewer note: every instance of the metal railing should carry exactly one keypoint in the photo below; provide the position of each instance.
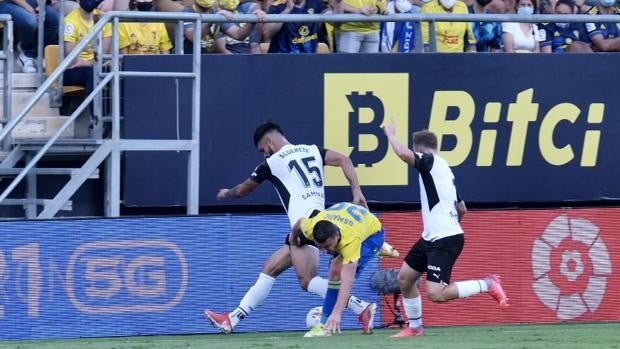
(7, 70)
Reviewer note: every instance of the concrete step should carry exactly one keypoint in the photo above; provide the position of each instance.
(23, 80)
(42, 127)
(41, 108)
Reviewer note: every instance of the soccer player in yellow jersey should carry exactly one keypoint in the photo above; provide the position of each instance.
(143, 38)
(450, 36)
(353, 236)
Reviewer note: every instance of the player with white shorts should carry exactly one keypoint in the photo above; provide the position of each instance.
(296, 171)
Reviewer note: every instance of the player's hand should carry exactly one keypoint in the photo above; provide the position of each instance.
(333, 323)
(359, 199)
(223, 193)
(390, 129)
(260, 14)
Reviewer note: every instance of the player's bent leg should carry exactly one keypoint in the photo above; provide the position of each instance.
(408, 279)
(274, 266)
(305, 260)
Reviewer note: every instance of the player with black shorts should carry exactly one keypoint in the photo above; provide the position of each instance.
(296, 171)
(442, 240)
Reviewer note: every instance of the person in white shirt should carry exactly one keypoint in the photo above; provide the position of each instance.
(442, 241)
(521, 37)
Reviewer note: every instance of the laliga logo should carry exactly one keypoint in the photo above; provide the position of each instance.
(571, 264)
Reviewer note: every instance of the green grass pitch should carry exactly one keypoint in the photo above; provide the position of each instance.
(605, 335)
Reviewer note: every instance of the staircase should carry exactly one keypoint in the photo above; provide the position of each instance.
(28, 138)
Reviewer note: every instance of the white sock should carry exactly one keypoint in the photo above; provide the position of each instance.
(318, 286)
(471, 287)
(413, 307)
(357, 305)
(253, 298)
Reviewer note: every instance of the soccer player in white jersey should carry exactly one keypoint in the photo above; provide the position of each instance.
(442, 240)
(296, 171)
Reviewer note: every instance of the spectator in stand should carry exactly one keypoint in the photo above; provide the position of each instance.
(77, 25)
(138, 38)
(522, 37)
(488, 34)
(294, 37)
(605, 37)
(450, 36)
(25, 15)
(360, 37)
(547, 7)
(229, 45)
(210, 31)
(562, 37)
(69, 5)
(399, 36)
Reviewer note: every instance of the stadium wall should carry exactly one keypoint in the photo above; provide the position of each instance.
(515, 128)
(145, 276)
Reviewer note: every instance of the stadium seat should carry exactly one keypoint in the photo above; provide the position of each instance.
(52, 60)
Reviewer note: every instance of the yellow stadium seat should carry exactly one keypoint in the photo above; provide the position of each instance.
(52, 60)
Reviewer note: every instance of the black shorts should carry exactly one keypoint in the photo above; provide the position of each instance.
(436, 258)
(302, 238)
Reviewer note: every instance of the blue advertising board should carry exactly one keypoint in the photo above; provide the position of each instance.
(144, 276)
(515, 128)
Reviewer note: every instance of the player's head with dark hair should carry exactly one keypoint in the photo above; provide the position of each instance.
(483, 3)
(268, 138)
(326, 235)
(565, 7)
(424, 141)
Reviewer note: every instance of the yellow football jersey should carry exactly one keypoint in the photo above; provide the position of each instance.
(76, 27)
(450, 35)
(356, 224)
(144, 38)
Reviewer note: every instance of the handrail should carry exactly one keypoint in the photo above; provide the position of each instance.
(7, 71)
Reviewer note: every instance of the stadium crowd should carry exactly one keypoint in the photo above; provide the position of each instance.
(365, 37)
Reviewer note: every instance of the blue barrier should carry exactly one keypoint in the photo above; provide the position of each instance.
(145, 276)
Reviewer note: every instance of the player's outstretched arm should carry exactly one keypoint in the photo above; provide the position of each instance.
(334, 158)
(238, 191)
(347, 278)
(400, 149)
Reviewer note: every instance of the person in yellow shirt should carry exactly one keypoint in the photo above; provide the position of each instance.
(360, 37)
(450, 36)
(77, 25)
(353, 236)
(143, 38)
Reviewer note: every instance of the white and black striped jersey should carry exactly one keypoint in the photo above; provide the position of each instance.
(296, 171)
(438, 196)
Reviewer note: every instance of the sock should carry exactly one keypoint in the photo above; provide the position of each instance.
(253, 298)
(318, 286)
(471, 287)
(330, 300)
(413, 308)
(357, 305)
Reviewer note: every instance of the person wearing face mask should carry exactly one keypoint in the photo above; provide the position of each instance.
(562, 37)
(210, 32)
(488, 34)
(604, 37)
(522, 37)
(399, 36)
(138, 38)
(450, 36)
(77, 25)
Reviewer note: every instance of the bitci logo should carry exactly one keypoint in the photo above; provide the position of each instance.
(571, 265)
(356, 107)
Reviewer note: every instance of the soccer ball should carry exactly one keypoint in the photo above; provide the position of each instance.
(313, 317)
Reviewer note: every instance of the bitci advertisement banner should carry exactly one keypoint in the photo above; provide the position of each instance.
(513, 129)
